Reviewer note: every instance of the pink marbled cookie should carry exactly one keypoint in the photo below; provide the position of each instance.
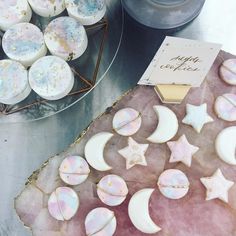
(127, 121)
(225, 107)
(173, 184)
(112, 190)
(100, 221)
(63, 203)
(74, 170)
(228, 71)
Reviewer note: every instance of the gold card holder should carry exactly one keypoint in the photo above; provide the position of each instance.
(172, 93)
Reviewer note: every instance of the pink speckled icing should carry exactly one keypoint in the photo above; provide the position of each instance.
(228, 71)
(112, 190)
(24, 42)
(74, 170)
(63, 203)
(173, 184)
(100, 222)
(13, 12)
(127, 121)
(225, 107)
(65, 37)
(47, 8)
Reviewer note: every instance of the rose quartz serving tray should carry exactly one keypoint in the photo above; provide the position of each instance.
(190, 215)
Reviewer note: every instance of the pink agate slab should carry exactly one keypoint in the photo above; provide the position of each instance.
(190, 215)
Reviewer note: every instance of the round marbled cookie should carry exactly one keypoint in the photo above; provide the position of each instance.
(65, 37)
(100, 221)
(74, 170)
(63, 203)
(87, 12)
(227, 71)
(225, 107)
(127, 121)
(47, 8)
(112, 190)
(24, 43)
(14, 85)
(13, 12)
(173, 184)
(51, 78)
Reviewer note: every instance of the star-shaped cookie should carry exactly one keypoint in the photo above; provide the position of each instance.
(197, 116)
(182, 150)
(217, 186)
(134, 153)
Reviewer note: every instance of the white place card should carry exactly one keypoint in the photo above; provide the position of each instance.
(180, 61)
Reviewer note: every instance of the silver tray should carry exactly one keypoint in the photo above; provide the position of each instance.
(104, 42)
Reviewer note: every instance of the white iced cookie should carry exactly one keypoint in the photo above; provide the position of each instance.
(94, 149)
(47, 8)
(138, 210)
(87, 12)
(100, 221)
(51, 78)
(24, 43)
(225, 145)
(65, 37)
(14, 86)
(197, 116)
(167, 125)
(134, 153)
(13, 12)
(217, 186)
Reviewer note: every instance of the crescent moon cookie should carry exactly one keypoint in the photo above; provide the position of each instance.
(127, 121)
(225, 107)
(74, 170)
(138, 211)
(13, 12)
(24, 43)
(51, 78)
(87, 12)
(94, 149)
(66, 38)
(217, 186)
(225, 145)
(14, 85)
(167, 126)
(182, 150)
(47, 8)
(134, 153)
(197, 116)
(173, 184)
(63, 203)
(100, 221)
(227, 71)
(112, 190)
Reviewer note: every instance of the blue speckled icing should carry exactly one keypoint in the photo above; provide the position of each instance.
(89, 7)
(22, 40)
